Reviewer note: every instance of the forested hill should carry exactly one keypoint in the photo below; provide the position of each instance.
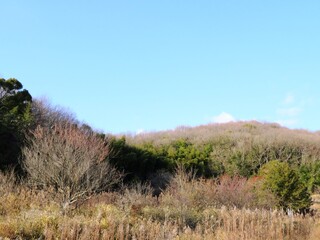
(238, 148)
(238, 131)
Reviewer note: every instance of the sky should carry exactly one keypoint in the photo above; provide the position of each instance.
(136, 66)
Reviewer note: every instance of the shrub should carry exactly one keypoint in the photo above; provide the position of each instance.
(286, 184)
(310, 175)
(240, 192)
(70, 161)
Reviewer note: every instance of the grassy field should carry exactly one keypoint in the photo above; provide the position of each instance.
(187, 209)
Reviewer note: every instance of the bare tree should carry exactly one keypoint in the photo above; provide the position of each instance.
(47, 115)
(71, 161)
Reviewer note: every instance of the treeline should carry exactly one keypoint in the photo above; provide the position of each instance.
(235, 149)
(51, 149)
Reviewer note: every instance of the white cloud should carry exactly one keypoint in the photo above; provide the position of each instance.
(290, 112)
(288, 122)
(140, 131)
(223, 118)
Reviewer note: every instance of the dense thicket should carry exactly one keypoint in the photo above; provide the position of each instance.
(243, 149)
(139, 164)
(15, 118)
(236, 148)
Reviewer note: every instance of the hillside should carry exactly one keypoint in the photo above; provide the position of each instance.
(71, 182)
(237, 131)
(240, 148)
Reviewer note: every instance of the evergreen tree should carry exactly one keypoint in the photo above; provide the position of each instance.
(15, 117)
(286, 184)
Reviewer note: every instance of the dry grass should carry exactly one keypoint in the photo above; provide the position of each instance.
(316, 200)
(107, 221)
(262, 224)
(187, 209)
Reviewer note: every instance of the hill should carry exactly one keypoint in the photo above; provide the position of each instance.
(246, 130)
(238, 148)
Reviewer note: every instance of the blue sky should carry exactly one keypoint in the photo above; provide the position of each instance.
(132, 66)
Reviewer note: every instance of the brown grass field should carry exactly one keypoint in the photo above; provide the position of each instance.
(187, 209)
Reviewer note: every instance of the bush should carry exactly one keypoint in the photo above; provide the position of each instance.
(286, 184)
(310, 175)
(71, 161)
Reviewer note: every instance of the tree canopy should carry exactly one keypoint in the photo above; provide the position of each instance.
(15, 112)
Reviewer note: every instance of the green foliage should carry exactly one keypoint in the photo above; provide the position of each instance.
(242, 156)
(234, 148)
(310, 175)
(286, 184)
(245, 157)
(15, 112)
(191, 156)
(136, 163)
(14, 104)
(182, 151)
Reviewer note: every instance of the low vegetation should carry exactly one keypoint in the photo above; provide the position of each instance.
(71, 162)
(60, 179)
(189, 208)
